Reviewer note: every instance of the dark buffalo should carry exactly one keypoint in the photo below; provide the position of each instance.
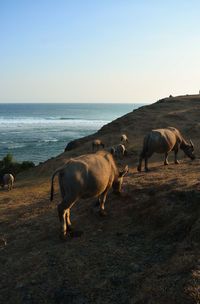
(164, 141)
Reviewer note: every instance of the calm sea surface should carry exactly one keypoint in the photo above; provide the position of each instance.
(37, 132)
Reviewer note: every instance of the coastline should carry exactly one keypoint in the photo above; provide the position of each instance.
(37, 132)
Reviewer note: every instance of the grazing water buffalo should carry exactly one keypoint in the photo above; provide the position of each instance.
(96, 144)
(8, 179)
(121, 149)
(164, 141)
(124, 138)
(86, 176)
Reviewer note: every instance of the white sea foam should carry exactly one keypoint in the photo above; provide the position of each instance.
(50, 140)
(16, 146)
(37, 132)
(37, 122)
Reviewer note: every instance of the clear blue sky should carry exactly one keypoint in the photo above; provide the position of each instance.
(98, 50)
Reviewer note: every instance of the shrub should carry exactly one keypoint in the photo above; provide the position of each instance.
(8, 160)
(7, 165)
(26, 165)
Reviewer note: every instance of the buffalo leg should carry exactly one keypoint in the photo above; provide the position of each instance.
(140, 163)
(98, 202)
(62, 217)
(146, 164)
(166, 159)
(68, 219)
(175, 157)
(104, 199)
(146, 158)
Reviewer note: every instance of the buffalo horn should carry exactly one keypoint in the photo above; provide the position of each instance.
(192, 145)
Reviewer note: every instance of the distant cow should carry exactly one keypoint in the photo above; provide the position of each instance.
(96, 144)
(124, 138)
(164, 141)
(8, 179)
(86, 176)
(121, 150)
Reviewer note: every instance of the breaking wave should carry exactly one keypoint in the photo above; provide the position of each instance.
(37, 132)
(37, 122)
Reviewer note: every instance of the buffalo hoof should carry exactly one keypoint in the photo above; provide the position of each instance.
(69, 228)
(64, 237)
(147, 169)
(166, 164)
(102, 213)
(139, 169)
(176, 162)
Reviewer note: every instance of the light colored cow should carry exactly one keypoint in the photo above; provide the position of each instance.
(121, 150)
(124, 138)
(164, 141)
(8, 179)
(96, 144)
(86, 176)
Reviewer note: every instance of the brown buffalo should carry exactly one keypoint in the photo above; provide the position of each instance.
(124, 138)
(86, 176)
(8, 179)
(121, 150)
(164, 141)
(96, 144)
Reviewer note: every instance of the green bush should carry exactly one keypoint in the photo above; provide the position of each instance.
(8, 160)
(7, 165)
(26, 165)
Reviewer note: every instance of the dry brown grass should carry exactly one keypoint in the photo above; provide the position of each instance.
(146, 250)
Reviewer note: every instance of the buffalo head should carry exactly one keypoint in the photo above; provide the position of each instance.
(189, 149)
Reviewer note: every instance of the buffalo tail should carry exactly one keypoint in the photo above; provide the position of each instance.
(52, 185)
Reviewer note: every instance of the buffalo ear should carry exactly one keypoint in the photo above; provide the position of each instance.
(124, 171)
(192, 145)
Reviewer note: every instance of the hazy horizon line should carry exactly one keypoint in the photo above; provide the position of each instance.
(142, 103)
(77, 102)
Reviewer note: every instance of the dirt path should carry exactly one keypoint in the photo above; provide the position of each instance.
(145, 250)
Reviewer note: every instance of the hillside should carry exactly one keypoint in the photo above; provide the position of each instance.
(146, 250)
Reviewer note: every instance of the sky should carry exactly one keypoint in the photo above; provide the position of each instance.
(98, 50)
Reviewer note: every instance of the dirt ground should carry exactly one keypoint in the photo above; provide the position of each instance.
(145, 250)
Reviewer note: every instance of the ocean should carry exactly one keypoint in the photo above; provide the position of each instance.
(37, 132)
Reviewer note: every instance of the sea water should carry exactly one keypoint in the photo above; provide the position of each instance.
(37, 132)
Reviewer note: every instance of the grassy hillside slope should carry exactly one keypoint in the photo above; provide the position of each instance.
(146, 250)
